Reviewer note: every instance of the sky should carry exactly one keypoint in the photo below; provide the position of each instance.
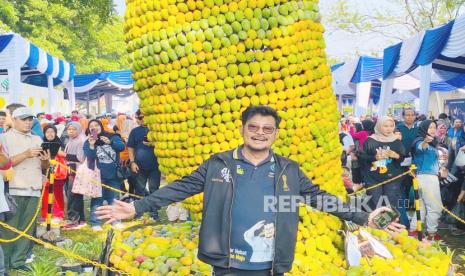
(341, 45)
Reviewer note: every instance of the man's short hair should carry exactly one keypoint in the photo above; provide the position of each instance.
(404, 110)
(2, 114)
(138, 113)
(75, 111)
(442, 116)
(263, 110)
(12, 107)
(40, 114)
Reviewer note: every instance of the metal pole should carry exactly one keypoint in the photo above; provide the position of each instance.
(50, 197)
(417, 204)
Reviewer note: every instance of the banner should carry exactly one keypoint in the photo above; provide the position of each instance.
(455, 108)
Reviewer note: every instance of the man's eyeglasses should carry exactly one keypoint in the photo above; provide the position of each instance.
(255, 128)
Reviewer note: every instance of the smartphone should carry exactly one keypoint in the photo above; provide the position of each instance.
(94, 134)
(45, 146)
(383, 219)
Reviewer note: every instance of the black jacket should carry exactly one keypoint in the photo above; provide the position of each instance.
(214, 239)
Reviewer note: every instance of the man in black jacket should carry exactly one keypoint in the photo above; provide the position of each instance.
(239, 234)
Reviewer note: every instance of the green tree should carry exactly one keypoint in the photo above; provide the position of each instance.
(397, 20)
(87, 33)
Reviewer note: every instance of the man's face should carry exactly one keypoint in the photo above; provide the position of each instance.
(40, 117)
(259, 132)
(409, 117)
(74, 113)
(457, 123)
(23, 125)
(140, 120)
(2, 121)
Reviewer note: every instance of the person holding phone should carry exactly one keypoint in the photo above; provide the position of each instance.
(104, 148)
(74, 151)
(28, 160)
(381, 159)
(425, 157)
(53, 144)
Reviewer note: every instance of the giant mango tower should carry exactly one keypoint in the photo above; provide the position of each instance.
(197, 64)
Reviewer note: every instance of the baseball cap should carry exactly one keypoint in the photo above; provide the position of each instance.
(22, 113)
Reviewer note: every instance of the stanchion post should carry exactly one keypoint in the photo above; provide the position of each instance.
(50, 196)
(417, 202)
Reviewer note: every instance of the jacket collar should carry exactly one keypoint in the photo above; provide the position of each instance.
(231, 155)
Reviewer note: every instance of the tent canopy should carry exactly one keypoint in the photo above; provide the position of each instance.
(91, 86)
(33, 61)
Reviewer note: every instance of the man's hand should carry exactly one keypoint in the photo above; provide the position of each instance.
(461, 197)
(118, 211)
(31, 153)
(134, 167)
(44, 155)
(394, 226)
(462, 148)
(106, 140)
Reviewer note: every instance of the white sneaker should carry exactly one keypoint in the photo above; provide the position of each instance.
(118, 226)
(97, 228)
(30, 259)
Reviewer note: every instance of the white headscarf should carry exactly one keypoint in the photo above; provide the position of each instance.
(378, 135)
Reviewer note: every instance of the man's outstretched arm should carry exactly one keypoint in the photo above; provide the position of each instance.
(177, 191)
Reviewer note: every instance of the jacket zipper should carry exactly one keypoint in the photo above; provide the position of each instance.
(230, 214)
(276, 219)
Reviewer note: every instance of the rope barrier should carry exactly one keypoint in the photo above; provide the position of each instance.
(62, 250)
(22, 233)
(98, 183)
(381, 183)
(51, 196)
(442, 206)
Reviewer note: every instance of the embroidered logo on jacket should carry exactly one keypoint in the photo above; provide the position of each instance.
(226, 174)
(285, 186)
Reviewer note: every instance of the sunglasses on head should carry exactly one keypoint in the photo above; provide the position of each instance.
(255, 128)
(140, 117)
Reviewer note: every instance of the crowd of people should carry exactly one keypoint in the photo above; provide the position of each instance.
(111, 144)
(379, 149)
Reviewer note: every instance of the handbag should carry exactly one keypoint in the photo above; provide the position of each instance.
(460, 159)
(83, 181)
(446, 181)
(122, 172)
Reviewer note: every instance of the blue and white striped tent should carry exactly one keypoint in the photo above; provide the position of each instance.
(435, 53)
(20, 59)
(119, 83)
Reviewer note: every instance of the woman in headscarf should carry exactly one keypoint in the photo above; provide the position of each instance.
(362, 132)
(381, 157)
(74, 156)
(425, 157)
(103, 148)
(441, 134)
(53, 144)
